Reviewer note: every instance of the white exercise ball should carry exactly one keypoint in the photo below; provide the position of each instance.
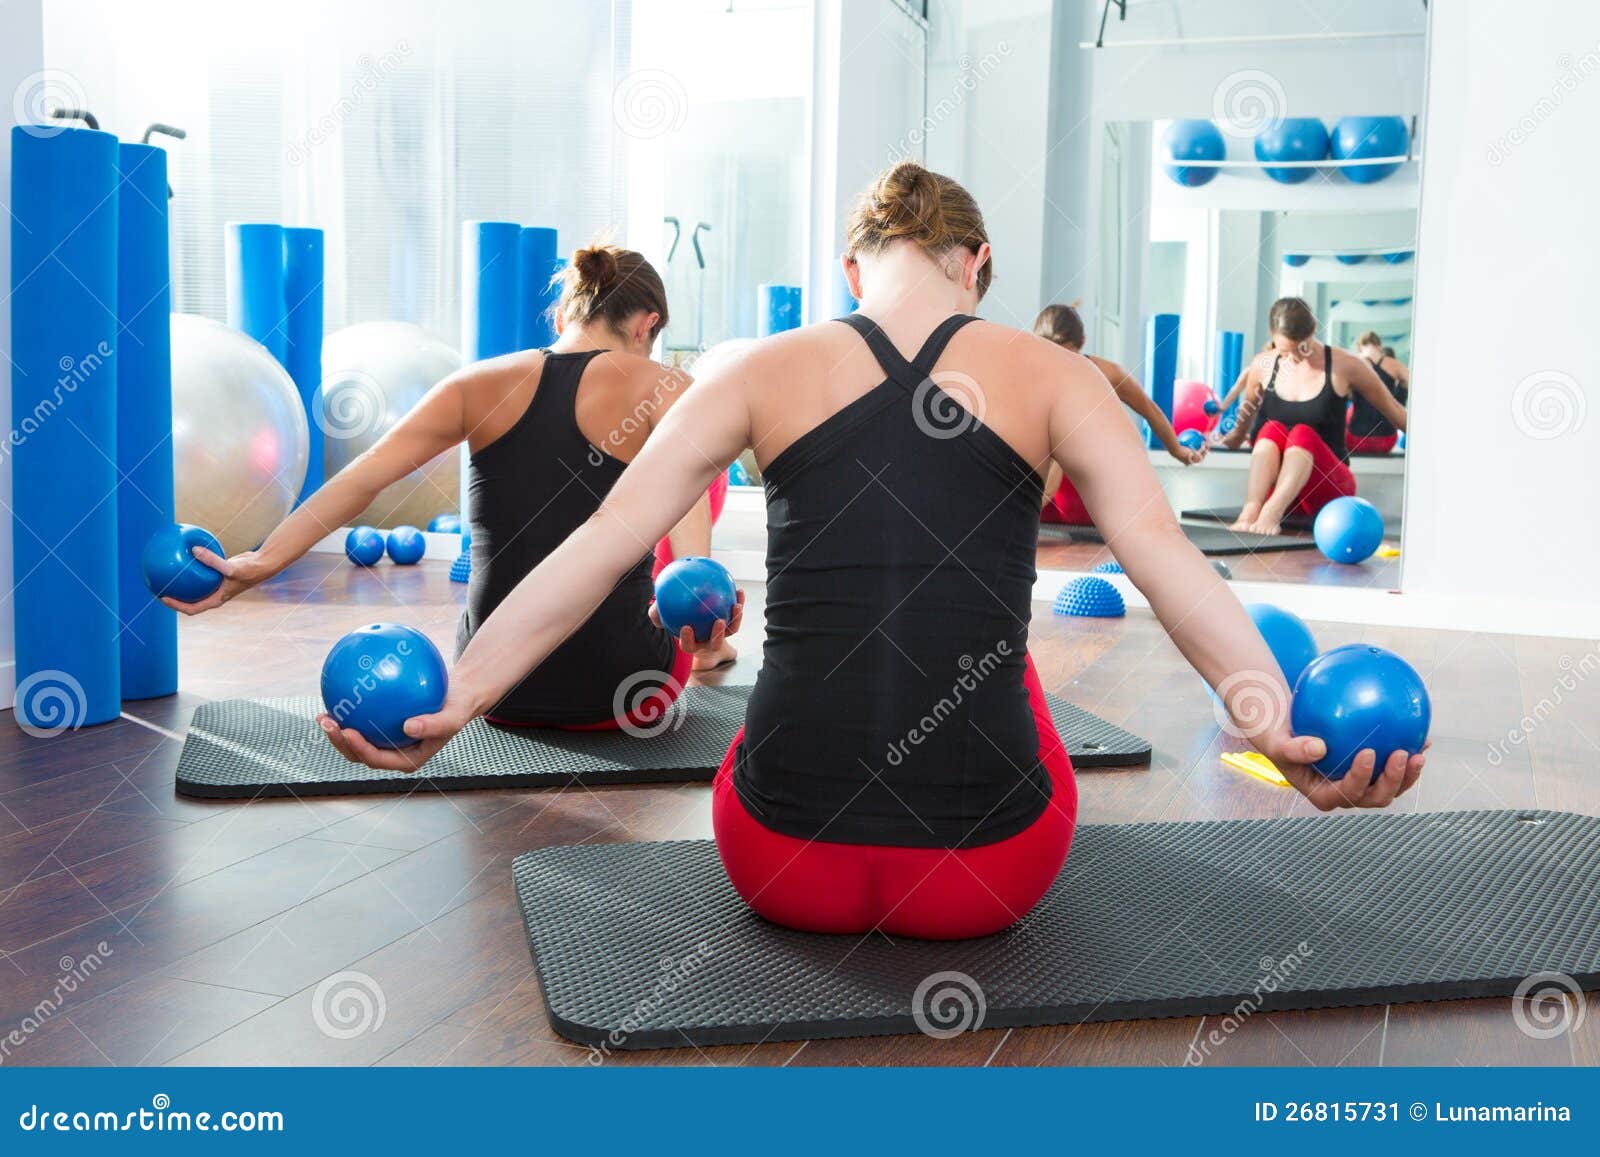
(372, 376)
(240, 442)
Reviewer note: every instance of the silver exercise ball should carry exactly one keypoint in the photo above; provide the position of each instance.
(372, 375)
(239, 437)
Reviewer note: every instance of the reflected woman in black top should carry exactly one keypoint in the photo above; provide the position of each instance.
(1368, 431)
(898, 770)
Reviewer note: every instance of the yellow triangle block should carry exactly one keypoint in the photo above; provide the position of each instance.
(1255, 764)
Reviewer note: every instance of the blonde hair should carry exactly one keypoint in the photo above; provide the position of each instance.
(910, 203)
(605, 283)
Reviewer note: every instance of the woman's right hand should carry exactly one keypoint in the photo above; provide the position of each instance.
(720, 630)
(1294, 754)
(239, 574)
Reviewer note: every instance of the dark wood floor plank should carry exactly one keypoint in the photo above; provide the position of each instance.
(1467, 1032)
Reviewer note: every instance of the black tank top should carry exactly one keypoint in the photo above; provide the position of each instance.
(1365, 419)
(890, 707)
(1324, 412)
(531, 488)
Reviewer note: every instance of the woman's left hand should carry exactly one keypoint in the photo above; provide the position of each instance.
(433, 732)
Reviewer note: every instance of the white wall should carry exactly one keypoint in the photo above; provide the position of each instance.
(1505, 447)
(21, 57)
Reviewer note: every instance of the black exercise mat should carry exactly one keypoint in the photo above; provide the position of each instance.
(647, 946)
(1296, 522)
(273, 747)
(1215, 540)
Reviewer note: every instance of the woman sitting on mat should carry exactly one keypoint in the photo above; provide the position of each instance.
(1062, 325)
(1366, 430)
(898, 769)
(1296, 393)
(550, 432)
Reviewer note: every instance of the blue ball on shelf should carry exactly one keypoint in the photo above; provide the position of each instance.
(364, 545)
(1356, 138)
(1351, 258)
(1358, 697)
(406, 545)
(445, 524)
(1292, 139)
(1399, 258)
(695, 592)
(170, 568)
(1091, 598)
(1191, 439)
(1348, 530)
(377, 677)
(1194, 140)
(1110, 567)
(1296, 259)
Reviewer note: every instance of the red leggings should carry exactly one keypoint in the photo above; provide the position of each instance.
(718, 493)
(1066, 507)
(646, 712)
(927, 893)
(1330, 478)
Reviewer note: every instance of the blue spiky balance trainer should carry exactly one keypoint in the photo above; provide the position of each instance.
(1090, 597)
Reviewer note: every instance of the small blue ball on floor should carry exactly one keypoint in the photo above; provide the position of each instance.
(1193, 439)
(695, 592)
(445, 524)
(1110, 567)
(364, 545)
(406, 545)
(1358, 697)
(1287, 637)
(170, 568)
(377, 677)
(1348, 530)
(1090, 598)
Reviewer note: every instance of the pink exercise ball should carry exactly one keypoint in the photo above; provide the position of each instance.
(1189, 407)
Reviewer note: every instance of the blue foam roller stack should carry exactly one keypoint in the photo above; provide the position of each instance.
(302, 296)
(1230, 362)
(537, 263)
(1161, 363)
(489, 285)
(777, 309)
(253, 272)
(64, 209)
(149, 641)
(1090, 598)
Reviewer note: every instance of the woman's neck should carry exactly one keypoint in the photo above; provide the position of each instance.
(577, 339)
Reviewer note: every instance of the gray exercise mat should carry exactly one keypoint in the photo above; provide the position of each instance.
(248, 748)
(646, 945)
(1213, 540)
(1300, 523)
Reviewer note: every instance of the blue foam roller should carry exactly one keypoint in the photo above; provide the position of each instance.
(777, 309)
(1091, 598)
(149, 642)
(1161, 363)
(302, 295)
(1230, 361)
(1111, 567)
(253, 271)
(489, 251)
(64, 209)
(537, 263)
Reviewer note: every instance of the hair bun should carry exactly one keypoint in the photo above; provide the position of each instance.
(596, 267)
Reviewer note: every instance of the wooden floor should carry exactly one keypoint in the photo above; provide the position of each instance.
(211, 925)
